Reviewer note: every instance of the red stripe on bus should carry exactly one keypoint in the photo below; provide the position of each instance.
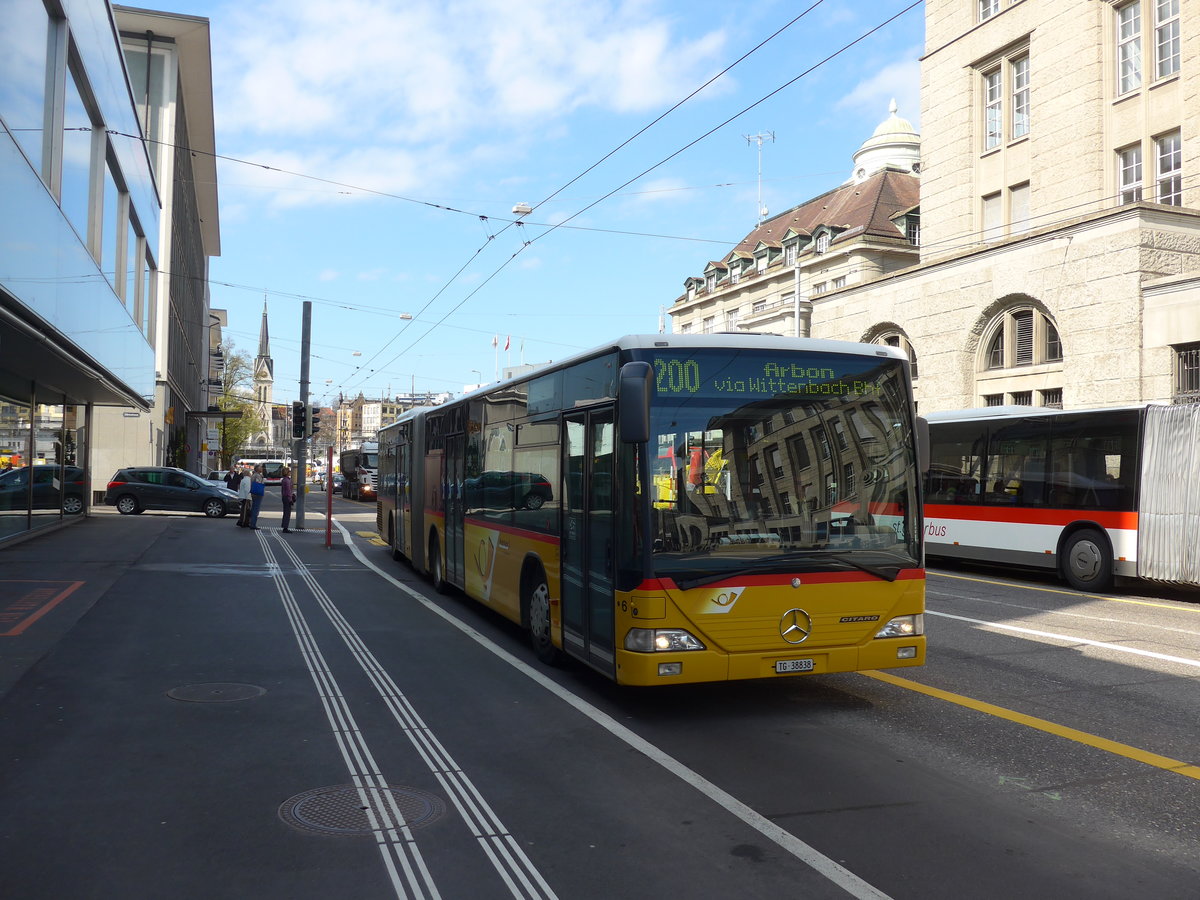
(1025, 515)
(509, 529)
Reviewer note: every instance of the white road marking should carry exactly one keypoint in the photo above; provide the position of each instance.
(514, 867)
(811, 857)
(1071, 639)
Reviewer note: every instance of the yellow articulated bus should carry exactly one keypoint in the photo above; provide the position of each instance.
(679, 508)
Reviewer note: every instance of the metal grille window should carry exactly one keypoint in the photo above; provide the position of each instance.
(993, 400)
(1187, 373)
(1022, 398)
(1023, 323)
(1166, 37)
(1129, 174)
(1129, 47)
(1052, 397)
(1020, 96)
(993, 114)
(1170, 169)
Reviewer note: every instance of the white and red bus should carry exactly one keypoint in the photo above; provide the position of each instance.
(1091, 493)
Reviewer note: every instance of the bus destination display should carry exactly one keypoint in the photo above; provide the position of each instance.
(756, 376)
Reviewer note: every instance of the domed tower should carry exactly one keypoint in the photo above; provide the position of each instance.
(894, 145)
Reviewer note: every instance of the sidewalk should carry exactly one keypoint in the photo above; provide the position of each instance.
(49, 582)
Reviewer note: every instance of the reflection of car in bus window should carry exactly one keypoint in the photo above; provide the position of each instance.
(507, 490)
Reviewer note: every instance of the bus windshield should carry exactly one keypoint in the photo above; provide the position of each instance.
(761, 463)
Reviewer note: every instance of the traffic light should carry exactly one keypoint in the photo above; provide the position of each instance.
(314, 420)
(297, 419)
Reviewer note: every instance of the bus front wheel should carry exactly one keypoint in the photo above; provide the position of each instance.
(1087, 562)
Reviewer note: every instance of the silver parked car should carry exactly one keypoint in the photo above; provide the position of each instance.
(138, 488)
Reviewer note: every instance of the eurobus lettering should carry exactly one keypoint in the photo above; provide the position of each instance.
(669, 509)
(1092, 494)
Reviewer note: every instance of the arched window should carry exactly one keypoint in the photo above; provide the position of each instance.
(1020, 348)
(895, 339)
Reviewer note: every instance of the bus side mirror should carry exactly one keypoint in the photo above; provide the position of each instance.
(923, 444)
(634, 402)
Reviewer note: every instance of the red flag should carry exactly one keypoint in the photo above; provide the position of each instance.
(507, 341)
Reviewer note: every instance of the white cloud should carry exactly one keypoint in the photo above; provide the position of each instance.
(900, 80)
(422, 87)
(328, 275)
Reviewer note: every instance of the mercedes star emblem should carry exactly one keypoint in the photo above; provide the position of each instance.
(795, 626)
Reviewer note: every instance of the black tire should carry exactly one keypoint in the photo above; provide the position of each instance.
(72, 505)
(437, 572)
(214, 508)
(536, 599)
(127, 505)
(1087, 561)
(534, 501)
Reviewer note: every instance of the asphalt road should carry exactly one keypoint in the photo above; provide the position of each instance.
(189, 709)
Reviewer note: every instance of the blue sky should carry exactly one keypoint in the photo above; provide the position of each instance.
(412, 127)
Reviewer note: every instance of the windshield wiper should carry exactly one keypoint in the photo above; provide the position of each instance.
(794, 561)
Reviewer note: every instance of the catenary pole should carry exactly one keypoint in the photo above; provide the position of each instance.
(301, 456)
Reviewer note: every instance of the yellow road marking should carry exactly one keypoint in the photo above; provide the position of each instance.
(1071, 734)
(1030, 587)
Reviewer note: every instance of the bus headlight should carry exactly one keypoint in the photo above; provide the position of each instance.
(903, 626)
(660, 640)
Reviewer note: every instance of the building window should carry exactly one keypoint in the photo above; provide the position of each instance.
(785, 503)
(1018, 211)
(1023, 325)
(710, 324)
(776, 462)
(758, 306)
(735, 273)
(993, 399)
(820, 287)
(789, 254)
(987, 9)
(710, 283)
(1022, 398)
(993, 217)
(1166, 37)
(1129, 174)
(760, 264)
(1170, 169)
(685, 328)
(1020, 96)
(912, 231)
(731, 319)
(848, 479)
(823, 242)
(1129, 47)
(839, 282)
(1053, 344)
(993, 104)
(902, 343)
(1052, 397)
(1187, 373)
(830, 490)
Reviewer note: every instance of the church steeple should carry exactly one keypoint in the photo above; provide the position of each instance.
(264, 384)
(264, 366)
(264, 341)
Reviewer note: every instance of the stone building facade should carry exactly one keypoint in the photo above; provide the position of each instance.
(1059, 209)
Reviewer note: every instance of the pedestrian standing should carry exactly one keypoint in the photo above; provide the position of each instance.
(243, 490)
(257, 489)
(288, 493)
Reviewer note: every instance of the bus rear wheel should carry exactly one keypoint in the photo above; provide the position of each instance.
(1087, 562)
(537, 607)
(437, 574)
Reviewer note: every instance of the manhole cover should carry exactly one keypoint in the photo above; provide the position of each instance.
(340, 809)
(215, 693)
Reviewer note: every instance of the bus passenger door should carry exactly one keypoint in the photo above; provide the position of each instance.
(587, 540)
(455, 447)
